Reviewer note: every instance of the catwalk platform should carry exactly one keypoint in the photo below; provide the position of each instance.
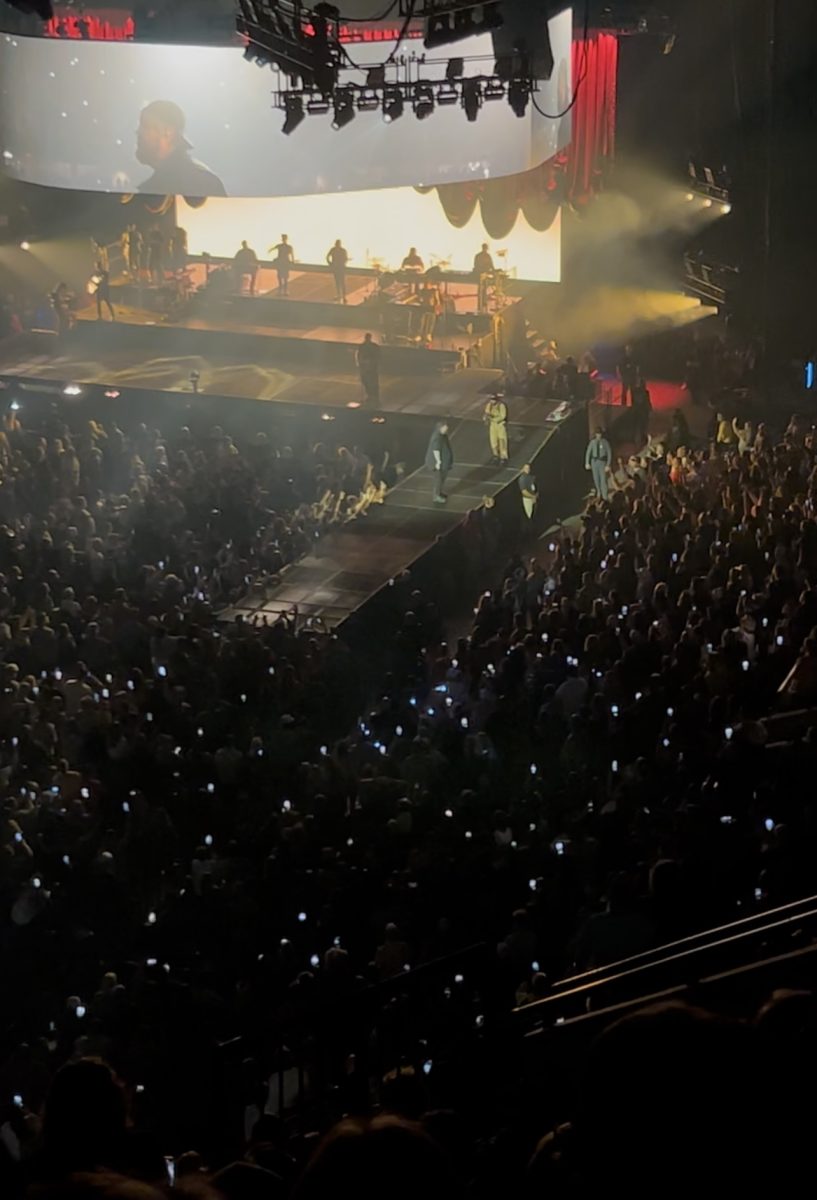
(353, 567)
(344, 579)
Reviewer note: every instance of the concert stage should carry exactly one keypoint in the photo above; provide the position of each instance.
(298, 348)
(308, 325)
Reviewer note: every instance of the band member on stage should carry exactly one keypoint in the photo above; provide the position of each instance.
(162, 145)
(483, 269)
(102, 283)
(430, 308)
(124, 248)
(100, 254)
(245, 263)
(136, 250)
(368, 364)
(440, 459)
(629, 373)
(496, 418)
(412, 262)
(283, 261)
(178, 249)
(156, 255)
(338, 259)
(62, 301)
(483, 263)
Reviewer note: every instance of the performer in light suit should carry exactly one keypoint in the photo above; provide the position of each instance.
(598, 459)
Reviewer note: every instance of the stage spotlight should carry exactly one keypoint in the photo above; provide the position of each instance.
(455, 69)
(518, 96)
(392, 105)
(344, 108)
(707, 203)
(423, 103)
(71, 389)
(368, 102)
(726, 209)
(447, 94)
(294, 109)
(25, 245)
(353, 404)
(317, 106)
(471, 98)
(690, 196)
(494, 90)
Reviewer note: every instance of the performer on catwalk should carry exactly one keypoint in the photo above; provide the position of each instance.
(529, 491)
(368, 363)
(496, 418)
(440, 459)
(598, 458)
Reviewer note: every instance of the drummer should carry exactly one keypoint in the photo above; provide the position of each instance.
(483, 263)
(483, 268)
(413, 263)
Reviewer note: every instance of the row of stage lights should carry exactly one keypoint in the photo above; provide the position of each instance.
(423, 98)
(511, 80)
(724, 207)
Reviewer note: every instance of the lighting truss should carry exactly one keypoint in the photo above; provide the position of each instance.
(302, 42)
(397, 94)
(709, 280)
(515, 25)
(708, 182)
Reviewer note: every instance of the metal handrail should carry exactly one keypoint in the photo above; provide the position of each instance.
(615, 973)
(759, 918)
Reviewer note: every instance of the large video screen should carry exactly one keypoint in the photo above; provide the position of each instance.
(199, 121)
(414, 219)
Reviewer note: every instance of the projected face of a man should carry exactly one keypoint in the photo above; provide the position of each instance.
(156, 140)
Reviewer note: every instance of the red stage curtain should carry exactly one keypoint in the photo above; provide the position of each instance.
(574, 173)
(594, 113)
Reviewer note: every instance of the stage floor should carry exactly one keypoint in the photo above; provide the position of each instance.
(131, 315)
(354, 562)
(318, 287)
(457, 394)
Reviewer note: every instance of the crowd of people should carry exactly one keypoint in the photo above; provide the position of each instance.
(240, 899)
